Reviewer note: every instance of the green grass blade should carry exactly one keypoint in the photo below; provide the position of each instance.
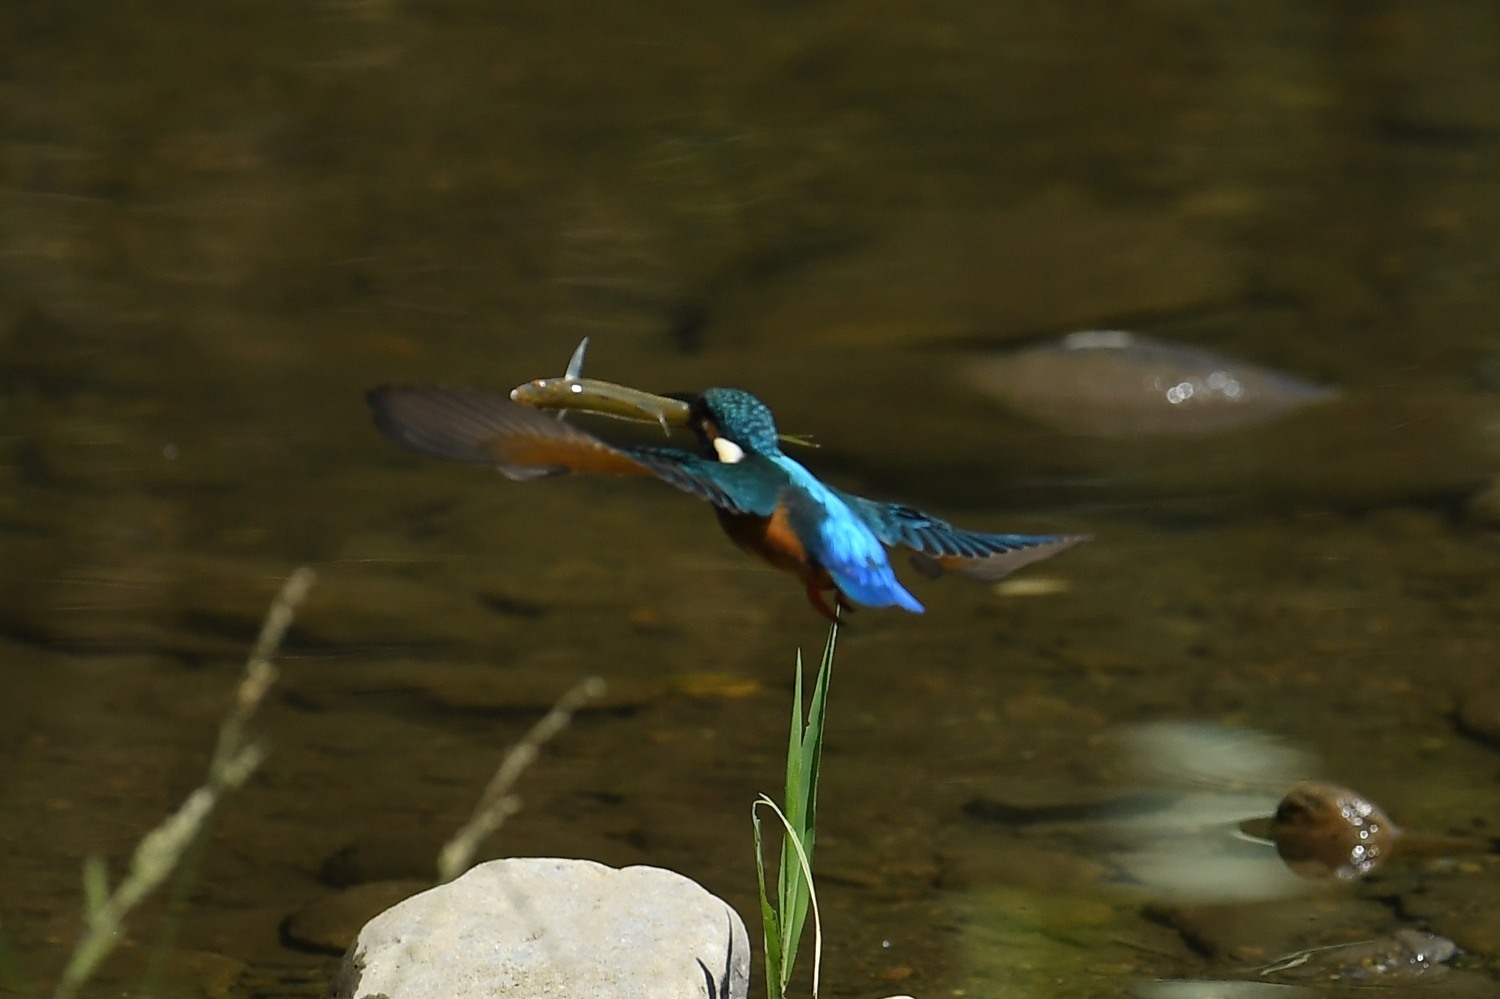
(770, 925)
(782, 921)
(790, 890)
(802, 804)
(794, 749)
(812, 741)
(795, 849)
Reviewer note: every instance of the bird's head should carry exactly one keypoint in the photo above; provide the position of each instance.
(734, 423)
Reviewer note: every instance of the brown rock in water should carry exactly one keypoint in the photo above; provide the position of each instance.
(1322, 829)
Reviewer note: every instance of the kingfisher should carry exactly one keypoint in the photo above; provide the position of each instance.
(767, 502)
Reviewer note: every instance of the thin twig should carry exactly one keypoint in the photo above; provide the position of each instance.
(497, 804)
(160, 850)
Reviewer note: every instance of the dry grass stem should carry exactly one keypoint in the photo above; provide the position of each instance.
(160, 850)
(497, 804)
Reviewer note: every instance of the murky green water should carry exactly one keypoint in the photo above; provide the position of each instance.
(220, 224)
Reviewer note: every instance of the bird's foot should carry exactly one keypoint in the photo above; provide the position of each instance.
(815, 597)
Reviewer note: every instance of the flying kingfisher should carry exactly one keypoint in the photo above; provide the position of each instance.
(768, 503)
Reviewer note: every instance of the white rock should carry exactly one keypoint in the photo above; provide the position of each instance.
(530, 927)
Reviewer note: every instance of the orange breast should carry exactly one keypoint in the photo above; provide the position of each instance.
(770, 538)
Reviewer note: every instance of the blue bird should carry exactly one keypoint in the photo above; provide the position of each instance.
(769, 504)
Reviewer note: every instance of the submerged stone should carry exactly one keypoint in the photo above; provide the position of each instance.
(1112, 382)
(1404, 954)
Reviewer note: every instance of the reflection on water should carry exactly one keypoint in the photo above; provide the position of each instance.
(219, 227)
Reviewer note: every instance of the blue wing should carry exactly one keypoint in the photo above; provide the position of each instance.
(937, 544)
(841, 542)
(744, 487)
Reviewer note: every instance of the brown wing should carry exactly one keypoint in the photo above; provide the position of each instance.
(486, 428)
(937, 545)
(996, 565)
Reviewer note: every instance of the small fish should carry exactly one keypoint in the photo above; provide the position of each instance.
(573, 391)
(590, 395)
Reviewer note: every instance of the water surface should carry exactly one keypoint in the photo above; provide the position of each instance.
(220, 224)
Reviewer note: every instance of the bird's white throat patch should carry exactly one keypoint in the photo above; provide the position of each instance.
(728, 451)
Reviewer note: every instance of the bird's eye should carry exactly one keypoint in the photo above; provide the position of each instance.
(728, 451)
